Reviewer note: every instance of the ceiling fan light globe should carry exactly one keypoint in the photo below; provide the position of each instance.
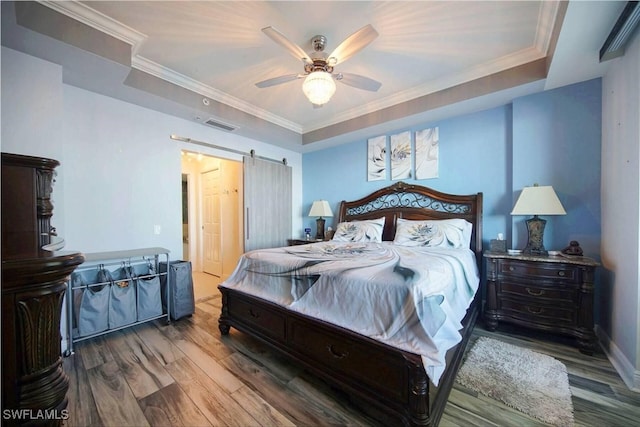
(319, 87)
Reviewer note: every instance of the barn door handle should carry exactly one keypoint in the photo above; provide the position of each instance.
(337, 355)
(247, 235)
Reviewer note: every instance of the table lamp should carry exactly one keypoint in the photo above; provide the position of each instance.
(536, 201)
(320, 208)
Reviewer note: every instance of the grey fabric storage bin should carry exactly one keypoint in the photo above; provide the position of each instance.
(181, 300)
(91, 303)
(149, 301)
(122, 304)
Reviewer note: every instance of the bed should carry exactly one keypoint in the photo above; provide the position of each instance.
(392, 382)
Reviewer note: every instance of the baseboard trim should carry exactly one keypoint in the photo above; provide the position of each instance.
(621, 364)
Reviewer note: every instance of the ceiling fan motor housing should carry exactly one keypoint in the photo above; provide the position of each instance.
(318, 65)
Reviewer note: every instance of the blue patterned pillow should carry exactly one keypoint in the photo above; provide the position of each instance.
(360, 231)
(451, 233)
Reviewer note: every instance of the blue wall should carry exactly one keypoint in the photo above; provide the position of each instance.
(550, 138)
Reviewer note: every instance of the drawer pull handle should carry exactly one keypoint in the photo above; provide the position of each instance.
(533, 310)
(512, 269)
(535, 293)
(337, 355)
(254, 314)
(561, 273)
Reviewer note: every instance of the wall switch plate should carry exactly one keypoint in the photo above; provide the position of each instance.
(157, 229)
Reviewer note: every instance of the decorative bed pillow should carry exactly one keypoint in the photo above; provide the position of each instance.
(448, 233)
(360, 231)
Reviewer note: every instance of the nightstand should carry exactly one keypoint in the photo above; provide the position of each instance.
(548, 293)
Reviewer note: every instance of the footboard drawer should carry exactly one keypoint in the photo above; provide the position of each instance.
(256, 315)
(369, 366)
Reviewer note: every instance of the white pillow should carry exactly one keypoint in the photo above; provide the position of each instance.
(360, 231)
(451, 233)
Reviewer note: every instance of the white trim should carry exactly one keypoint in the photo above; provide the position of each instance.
(101, 22)
(174, 77)
(546, 21)
(508, 61)
(622, 365)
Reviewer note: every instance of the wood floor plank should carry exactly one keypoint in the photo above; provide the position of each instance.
(82, 405)
(162, 348)
(270, 388)
(204, 339)
(143, 372)
(261, 411)
(209, 365)
(327, 405)
(594, 406)
(215, 402)
(114, 399)
(95, 351)
(170, 406)
(486, 410)
(236, 380)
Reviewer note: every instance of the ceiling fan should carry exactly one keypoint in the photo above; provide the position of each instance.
(319, 85)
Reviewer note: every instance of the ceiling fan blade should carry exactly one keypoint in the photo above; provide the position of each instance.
(352, 45)
(293, 48)
(278, 80)
(358, 81)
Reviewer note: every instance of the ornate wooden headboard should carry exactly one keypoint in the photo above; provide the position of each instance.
(410, 201)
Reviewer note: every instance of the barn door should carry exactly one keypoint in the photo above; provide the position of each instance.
(267, 203)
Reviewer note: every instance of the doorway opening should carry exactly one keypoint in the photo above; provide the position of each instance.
(212, 202)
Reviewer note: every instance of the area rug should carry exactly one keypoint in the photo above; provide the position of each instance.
(531, 382)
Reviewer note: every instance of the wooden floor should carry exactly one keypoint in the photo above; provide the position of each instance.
(187, 374)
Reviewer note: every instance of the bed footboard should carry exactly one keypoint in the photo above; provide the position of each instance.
(391, 384)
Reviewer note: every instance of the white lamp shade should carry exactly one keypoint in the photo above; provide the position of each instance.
(538, 201)
(319, 87)
(320, 208)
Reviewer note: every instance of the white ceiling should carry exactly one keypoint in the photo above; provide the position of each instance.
(217, 48)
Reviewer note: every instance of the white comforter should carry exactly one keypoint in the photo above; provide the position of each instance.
(412, 298)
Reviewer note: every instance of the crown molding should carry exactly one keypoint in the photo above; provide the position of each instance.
(546, 21)
(155, 69)
(506, 62)
(107, 25)
(97, 20)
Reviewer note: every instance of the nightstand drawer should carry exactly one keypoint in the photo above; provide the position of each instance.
(555, 295)
(539, 313)
(539, 270)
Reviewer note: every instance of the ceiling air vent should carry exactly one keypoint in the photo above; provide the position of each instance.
(220, 125)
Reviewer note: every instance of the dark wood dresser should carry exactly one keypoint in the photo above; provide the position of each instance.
(548, 293)
(34, 386)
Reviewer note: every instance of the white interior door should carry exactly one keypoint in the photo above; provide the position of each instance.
(211, 236)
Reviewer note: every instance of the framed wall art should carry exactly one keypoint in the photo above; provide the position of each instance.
(377, 158)
(400, 155)
(427, 153)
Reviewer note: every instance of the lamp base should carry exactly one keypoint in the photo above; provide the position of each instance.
(320, 229)
(535, 245)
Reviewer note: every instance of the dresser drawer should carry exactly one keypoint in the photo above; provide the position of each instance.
(553, 295)
(539, 313)
(378, 370)
(257, 316)
(562, 272)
